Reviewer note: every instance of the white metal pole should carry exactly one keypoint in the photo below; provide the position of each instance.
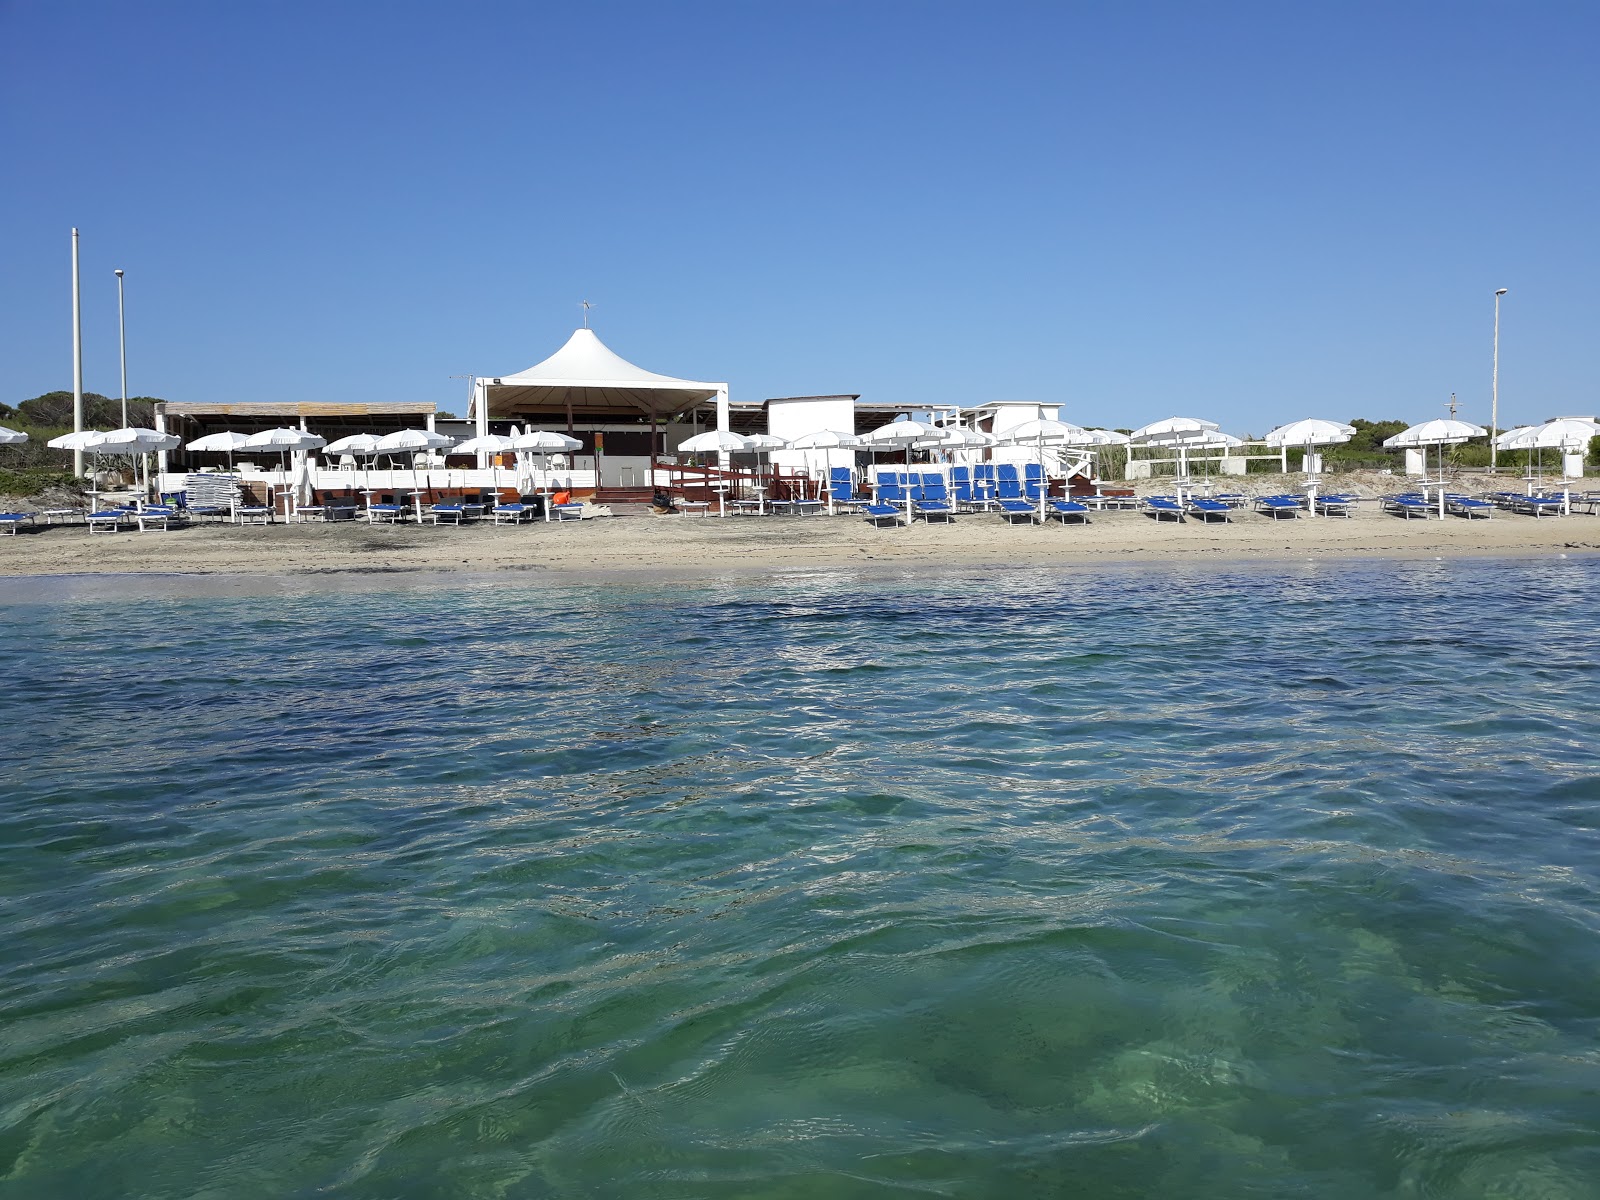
(77, 359)
(1494, 400)
(122, 339)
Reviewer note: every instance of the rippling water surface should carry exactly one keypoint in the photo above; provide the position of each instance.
(1114, 883)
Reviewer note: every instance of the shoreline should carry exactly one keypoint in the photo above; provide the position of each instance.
(642, 549)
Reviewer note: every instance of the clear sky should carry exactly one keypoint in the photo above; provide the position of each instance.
(1245, 212)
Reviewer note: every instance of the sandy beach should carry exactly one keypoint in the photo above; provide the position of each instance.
(754, 544)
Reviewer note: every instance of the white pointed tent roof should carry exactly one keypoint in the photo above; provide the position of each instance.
(589, 374)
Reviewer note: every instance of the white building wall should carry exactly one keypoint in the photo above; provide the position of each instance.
(790, 419)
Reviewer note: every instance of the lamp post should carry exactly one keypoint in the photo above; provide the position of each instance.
(1494, 385)
(122, 337)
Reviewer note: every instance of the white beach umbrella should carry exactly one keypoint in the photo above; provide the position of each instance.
(1438, 432)
(903, 433)
(493, 444)
(413, 442)
(716, 441)
(1042, 432)
(959, 437)
(1570, 435)
(284, 440)
(1566, 433)
(218, 443)
(11, 437)
(545, 442)
(356, 445)
(1181, 433)
(1173, 431)
(1519, 438)
(1313, 431)
(1101, 438)
(762, 445)
(135, 440)
(83, 439)
(826, 439)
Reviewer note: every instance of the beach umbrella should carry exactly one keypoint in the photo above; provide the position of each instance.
(357, 445)
(545, 442)
(1042, 432)
(492, 444)
(218, 443)
(716, 441)
(1438, 432)
(1570, 435)
(1180, 433)
(413, 442)
(11, 437)
(1101, 438)
(825, 439)
(135, 440)
(762, 445)
(1313, 431)
(82, 439)
(904, 433)
(284, 441)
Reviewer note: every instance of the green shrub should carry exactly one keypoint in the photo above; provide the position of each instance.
(31, 481)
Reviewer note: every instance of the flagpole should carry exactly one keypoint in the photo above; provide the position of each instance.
(77, 359)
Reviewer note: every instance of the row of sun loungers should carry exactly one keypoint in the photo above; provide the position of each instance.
(1415, 505)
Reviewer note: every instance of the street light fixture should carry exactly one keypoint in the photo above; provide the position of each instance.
(122, 337)
(1494, 399)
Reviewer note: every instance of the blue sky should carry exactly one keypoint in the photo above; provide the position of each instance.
(1246, 212)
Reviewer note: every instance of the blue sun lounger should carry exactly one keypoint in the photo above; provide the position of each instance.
(1409, 505)
(879, 515)
(511, 514)
(1336, 505)
(842, 490)
(1067, 512)
(1017, 512)
(935, 503)
(1008, 484)
(1032, 481)
(1163, 508)
(984, 489)
(1278, 507)
(961, 491)
(1538, 506)
(1209, 510)
(1469, 507)
(10, 521)
(452, 514)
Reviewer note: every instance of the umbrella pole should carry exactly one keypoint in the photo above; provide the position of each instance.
(1042, 488)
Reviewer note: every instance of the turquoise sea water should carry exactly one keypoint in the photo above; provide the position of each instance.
(1121, 883)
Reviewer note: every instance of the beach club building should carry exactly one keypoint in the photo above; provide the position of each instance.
(626, 417)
